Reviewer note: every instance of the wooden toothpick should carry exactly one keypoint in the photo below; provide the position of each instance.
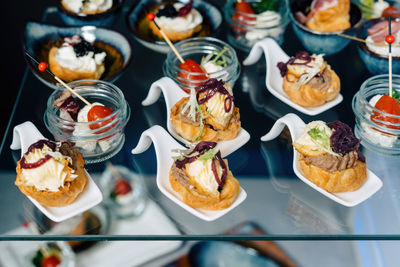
(390, 39)
(42, 66)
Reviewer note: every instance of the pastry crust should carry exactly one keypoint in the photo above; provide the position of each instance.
(334, 182)
(335, 18)
(66, 194)
(83, 11)
(190, 131)
(174, 36)
(226, 197)
(308, 96)
(69, 75)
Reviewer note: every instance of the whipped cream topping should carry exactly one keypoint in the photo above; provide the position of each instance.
(67, 58)
(211, 70)
(49, 176)
(269, 20)
(305, 138)
(384, 50)
(88, 5)
(180, 23)
(201, 172)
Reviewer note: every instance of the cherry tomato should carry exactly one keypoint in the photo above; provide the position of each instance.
(51, 261)
(122, 187)
(191, 66)
(98, 112)
(42, 66)
(389, 105)
(391, 11)
(242, 19)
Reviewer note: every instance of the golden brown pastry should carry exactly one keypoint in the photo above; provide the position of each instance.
(52, 175)
(331, 19)
(177, 21)
(87, 7)
(210, 115)
(76, 59)
(308, 80)
(203, 179)
(330, 156)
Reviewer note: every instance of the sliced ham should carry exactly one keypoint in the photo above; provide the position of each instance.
(380, 30)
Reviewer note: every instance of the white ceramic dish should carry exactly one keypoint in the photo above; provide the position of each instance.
(349, 199)
(172, 94)
(163, 144)
(274, 54)
(26, 134)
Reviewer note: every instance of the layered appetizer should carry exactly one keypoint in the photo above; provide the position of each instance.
(77, 59)
(177, 20)
(326, 15)
(71, 111)
(257, 20)
(51, 173)
(308, 80)
(202, 178)
(87, 7)
(49, 256)
(208, 114)
(375, 41)
(330, 156)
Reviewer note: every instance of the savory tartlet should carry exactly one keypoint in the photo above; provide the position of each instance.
(51, 173)
(203, 179)
(87, 7)
(208, 115)
(330, 156)
(308, 80)
(76, 59)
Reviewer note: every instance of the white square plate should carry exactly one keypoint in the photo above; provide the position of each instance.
(26, 134)
(274, 54)
(163, 144)
(349, 199)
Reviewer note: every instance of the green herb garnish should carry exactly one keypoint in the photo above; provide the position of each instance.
(216, 57)
(320, 138)
(396, 95)
(264, 5)
(209, 154)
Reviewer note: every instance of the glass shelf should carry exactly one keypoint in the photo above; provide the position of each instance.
(280, 203)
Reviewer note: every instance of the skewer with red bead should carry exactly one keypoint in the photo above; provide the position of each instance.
(42, 66)
(390, 39)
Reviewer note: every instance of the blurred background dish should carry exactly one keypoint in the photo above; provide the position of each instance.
(98, 139)
(319, 42)
(39, 38)
(217, 58)
(51, 254)
(89, 12)
(139, 25)
(251, 21)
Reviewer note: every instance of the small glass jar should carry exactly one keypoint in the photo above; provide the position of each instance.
(246, 29)
(130, 204)
(196, 49)
(379, 135)
(67, 256)
(97, 144)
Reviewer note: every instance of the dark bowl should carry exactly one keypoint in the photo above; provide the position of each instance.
(138, 24)
(327, 43)
(105, 18)
(38, 39)
(375, 63)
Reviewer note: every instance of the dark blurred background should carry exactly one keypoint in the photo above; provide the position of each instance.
(14, 16)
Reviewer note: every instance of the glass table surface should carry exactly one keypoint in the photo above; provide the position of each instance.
(279, 202)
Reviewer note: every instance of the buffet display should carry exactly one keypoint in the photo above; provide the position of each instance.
(87, 113)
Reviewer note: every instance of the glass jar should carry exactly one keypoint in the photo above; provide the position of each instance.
(132, 202)
(378, 135)
(65, 253)
(196, 49)
(97, 144)
(246, 29)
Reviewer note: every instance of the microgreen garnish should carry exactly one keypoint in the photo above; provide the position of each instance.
(216, 57)
(321, 139)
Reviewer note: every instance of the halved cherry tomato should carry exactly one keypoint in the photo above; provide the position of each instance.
(242, 19)
(96, 113)
(122, 187)
(391, 11)
(51, 261)
(191, 66)
(389, 105)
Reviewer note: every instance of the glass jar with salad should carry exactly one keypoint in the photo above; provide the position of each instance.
(378, 114)
(97, 131)
(205, 58)
(253, 20)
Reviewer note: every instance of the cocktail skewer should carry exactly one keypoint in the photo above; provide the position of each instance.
(42, 66)
(150, 17)
(363, 41)
(390, 39)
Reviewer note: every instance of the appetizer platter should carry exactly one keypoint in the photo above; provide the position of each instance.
(314, 93)
(192, 96)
